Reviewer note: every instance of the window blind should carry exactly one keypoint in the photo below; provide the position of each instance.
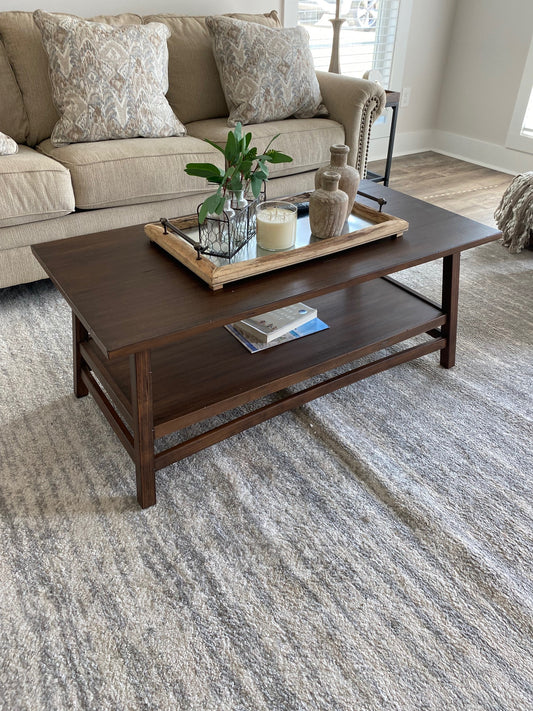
(367, 35)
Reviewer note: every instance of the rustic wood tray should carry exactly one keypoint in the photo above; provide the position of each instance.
(365, 224)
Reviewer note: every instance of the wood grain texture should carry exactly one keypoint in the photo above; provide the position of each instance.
(79, 335)
(450, 304)
(160, 301)
(466, 188)
(136, 309)
(188, 385)
(143, 426)
(217, 434)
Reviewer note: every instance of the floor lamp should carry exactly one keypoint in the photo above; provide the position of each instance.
(334, 65)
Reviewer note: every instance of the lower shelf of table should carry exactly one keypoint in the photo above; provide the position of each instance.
(212, 372)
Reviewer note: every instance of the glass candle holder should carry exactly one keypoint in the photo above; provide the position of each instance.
(276, 225)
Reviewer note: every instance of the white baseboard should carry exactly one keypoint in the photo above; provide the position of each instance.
(404, 144)
(489, 155)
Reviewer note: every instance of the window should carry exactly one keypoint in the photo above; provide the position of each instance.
(520, 135)
(367, 35)
(527, 127)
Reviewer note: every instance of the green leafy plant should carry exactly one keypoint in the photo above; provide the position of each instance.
(244, 169)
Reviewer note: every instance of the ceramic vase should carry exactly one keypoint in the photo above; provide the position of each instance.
(350, 177)
(327, 207)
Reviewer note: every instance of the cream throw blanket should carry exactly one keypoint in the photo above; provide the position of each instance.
(514, 215)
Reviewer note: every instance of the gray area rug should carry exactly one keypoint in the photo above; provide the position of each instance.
(371, 550)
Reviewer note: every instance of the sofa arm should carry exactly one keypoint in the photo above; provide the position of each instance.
(356, 104)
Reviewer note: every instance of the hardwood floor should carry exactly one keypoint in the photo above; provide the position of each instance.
(465, 188)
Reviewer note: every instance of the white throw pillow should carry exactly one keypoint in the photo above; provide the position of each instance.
(108, 82)
(266, 73)
(7, 145)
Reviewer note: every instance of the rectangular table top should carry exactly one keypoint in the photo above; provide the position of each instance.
(132, 295)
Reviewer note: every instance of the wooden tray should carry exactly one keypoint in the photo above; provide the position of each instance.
(365, 224)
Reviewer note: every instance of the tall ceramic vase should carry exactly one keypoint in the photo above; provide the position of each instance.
(327, 207)
(350, 177)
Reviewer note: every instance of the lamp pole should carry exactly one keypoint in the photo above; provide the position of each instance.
(334, 65)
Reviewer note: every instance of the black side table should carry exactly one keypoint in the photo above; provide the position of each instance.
(393, 100)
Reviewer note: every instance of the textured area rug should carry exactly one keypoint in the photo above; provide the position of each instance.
(371, 550)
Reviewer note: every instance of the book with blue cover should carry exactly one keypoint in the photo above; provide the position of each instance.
(253, 345)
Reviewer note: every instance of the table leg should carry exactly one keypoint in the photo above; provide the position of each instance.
(79, 334)
(143, 426)
(450, 302)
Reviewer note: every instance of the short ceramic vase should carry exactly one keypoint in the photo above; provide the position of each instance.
(327, 207)
(350, 178)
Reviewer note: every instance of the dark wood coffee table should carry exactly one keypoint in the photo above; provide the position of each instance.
(150, 347)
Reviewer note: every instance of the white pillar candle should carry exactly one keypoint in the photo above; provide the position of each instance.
(276, 225)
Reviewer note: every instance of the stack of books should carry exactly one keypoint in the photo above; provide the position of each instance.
(275, 327)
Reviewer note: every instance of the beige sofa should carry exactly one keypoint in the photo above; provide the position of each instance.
(49, 192)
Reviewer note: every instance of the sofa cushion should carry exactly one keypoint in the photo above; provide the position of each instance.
(34, 188)
(107, 82)
(299, 138)
(8, 146)
(28, 58)
(131, 171)
(195, 92)
(267, 73)
(13, 119)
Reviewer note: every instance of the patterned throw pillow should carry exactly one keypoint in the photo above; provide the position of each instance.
(7, 145)
(266, 73)
(107, 82)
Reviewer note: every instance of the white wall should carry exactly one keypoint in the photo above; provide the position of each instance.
(87, 8)
(489, 46)
(424, 30)
(464, 60)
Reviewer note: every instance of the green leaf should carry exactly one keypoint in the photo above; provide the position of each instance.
(273, 156)
(230, 172)
(202, 214)
(256, 184)
(214, 203)
(204, 170)
(232, 151)
(215, 145)
(235, 183)
(239, 171)
(262, 174)
(246, 167)
(272, 141)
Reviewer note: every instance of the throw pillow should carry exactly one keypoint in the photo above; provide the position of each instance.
(266, 73)
(7, 145)
(107, 82)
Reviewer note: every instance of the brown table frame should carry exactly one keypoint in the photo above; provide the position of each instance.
(127, 378)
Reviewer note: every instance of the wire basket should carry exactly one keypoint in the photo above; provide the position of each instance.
(224, 235)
